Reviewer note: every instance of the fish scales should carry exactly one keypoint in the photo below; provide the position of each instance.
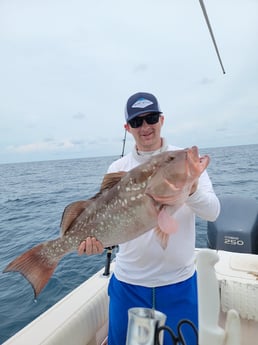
(128, 205)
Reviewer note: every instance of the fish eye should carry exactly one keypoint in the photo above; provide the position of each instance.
(170, 158)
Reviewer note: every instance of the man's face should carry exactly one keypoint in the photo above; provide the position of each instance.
(147, 136)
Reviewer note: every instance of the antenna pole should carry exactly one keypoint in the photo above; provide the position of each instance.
(211, 33)
(124, 140)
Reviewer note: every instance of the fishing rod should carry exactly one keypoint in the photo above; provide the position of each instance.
(110, 249)
(123, 148)
(211, 33)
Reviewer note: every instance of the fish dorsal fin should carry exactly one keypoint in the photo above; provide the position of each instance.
(71, 212)
(111, 180)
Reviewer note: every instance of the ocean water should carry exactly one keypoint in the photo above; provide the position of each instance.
(33, 196)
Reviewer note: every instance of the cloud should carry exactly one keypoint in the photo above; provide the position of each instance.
(206, 81)
(42, 146)
(142, 67)
(79, 116)
(222, 129)
(69, 83)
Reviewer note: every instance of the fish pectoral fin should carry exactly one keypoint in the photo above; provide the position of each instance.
(167, 225)
(34, 267)
(162, 237)
(166, 222)
(111, 179)
(71, 212)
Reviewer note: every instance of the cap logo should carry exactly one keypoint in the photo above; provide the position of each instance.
(142, 103)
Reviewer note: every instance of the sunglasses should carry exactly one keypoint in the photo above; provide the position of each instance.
(151, 119)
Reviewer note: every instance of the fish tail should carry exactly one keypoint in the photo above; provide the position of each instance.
(35, 266)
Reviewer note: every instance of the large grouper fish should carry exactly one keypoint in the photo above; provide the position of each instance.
(128, 205)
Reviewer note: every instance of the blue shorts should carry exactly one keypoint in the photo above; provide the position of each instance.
(178, 301)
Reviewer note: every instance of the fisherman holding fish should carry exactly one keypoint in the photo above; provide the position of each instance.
(157, 269)
(147, 205)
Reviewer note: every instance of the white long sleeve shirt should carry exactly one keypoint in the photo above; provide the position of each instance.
(143, 261)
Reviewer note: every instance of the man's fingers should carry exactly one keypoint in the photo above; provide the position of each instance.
(82, 248)
(93, 246)
(99, 247)
(90, 246)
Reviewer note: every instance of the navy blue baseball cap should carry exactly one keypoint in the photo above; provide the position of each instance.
(141, 103)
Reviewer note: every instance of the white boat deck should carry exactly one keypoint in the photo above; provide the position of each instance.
(238, 281)
(81, 317)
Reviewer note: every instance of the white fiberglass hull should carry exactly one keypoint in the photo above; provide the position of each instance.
(81, 318)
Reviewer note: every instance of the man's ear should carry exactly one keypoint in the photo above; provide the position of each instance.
(127, 127)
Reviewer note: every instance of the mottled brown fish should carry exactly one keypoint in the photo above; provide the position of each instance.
(128, 205)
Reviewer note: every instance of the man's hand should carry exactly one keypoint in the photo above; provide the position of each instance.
(194, 188)
(90, 246)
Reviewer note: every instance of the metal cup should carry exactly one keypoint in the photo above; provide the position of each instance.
(142, 326)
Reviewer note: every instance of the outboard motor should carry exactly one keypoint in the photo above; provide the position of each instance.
(236, 228)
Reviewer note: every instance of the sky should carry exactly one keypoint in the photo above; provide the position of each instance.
(67, 69)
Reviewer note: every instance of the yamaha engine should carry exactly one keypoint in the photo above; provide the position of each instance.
(236, 228)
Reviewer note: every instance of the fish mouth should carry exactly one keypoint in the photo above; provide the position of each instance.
(197, 164)
(167, 200)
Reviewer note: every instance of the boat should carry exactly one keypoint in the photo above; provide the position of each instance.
(227, 292)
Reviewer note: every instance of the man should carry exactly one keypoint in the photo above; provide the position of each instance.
(145, 274)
